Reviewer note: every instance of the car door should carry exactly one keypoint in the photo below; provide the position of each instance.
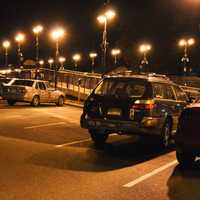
(44, 94)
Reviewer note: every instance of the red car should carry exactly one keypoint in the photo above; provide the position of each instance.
(188, 136)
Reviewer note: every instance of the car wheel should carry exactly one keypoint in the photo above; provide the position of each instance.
(60, 101)
(36, 101)
(165, 138)
(185, 158)
(99, 137)
(11, 102)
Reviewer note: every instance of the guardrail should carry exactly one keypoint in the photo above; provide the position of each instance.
(80, 84)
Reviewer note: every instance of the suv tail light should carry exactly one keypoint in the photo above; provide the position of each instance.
(144, 104)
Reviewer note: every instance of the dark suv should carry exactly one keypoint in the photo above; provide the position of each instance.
(134, 104)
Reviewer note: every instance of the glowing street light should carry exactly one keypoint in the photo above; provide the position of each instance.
(186, 43)
(41, 63)
(144, 49)
(20, 37)
(62, 60)
(76, 58)
(115, 53)
(50, 61)
(6, 46)
(104, 19)
(57, 34)
(37, 31)
(93, 55)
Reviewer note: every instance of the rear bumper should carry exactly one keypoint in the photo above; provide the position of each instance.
(17, 98)
(149, 126)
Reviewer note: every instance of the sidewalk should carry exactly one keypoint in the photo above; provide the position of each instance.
(74, 103)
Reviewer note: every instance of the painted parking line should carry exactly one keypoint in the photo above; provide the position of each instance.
(73, 143)
(149, 175)
(45, 125)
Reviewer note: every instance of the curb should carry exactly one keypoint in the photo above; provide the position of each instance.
(73, 103)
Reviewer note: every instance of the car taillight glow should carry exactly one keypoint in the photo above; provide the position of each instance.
(146, 105)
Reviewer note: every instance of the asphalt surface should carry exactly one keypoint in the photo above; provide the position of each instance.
(44, 154)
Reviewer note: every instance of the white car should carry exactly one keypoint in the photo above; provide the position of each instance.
(32, 91)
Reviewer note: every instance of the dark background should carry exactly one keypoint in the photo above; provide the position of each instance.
(161, 23)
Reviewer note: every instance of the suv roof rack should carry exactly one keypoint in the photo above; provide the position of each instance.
(158, 76)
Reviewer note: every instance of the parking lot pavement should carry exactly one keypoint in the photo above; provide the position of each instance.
(44, 154)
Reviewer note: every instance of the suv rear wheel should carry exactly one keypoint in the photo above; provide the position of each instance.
(185, 158)
(11, 102)
(165, 138)
(99, 137)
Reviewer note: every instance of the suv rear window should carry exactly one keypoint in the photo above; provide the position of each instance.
(121, 87)
(23, 83)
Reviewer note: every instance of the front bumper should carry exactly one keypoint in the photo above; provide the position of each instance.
(148, 126)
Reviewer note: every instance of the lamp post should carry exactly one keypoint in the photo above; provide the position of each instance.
(186, 43)
(37, 30)
(20, 37)
(76, 58)
(57, 34)
(115, 53)
(93, 55)
(104, 19)
(50, 61)
(144, 49)
(6, 46)
(41, 63)
(62, 60)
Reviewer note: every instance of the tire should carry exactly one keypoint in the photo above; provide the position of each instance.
(60, 101)
(36, 101)
(185, 159)
(166, 135)
(11, 102)
(99, 137)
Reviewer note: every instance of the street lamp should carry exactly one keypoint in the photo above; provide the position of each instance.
(6, 46)
(76, 58)
(20, 37)
(41, 62)
(115, 53)
(57, 34)
(103, 19)
(50, 61)
(62, 60)
(144, 49)
(37, 30)
(186, 43)
(93, 55)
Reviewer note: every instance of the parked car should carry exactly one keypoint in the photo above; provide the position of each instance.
(32, 91)
(187, 137)
(134, 104)
(3, 81)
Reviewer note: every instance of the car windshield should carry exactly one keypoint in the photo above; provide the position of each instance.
(121, 87)
(28, 83)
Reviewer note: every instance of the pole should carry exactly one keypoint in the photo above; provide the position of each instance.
(92, 65)
(104, 44)
(37, 48)
(6, 57)
(56, 62)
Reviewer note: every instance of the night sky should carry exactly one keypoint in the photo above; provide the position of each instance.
(162, 23)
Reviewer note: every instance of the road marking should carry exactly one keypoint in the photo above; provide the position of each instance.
(149, 175)
(72, 143)
(45, 125)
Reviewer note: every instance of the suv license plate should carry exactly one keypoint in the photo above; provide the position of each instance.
(114, 112)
